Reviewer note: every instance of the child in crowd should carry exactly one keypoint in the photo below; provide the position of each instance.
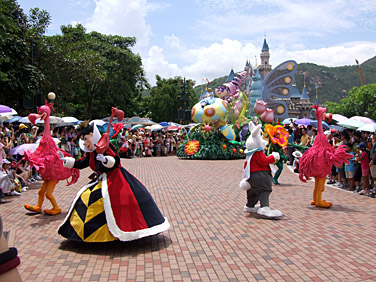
(350, 168)
(297, 155)
(7, 177)
(364, 161)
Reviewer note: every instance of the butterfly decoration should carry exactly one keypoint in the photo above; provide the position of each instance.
(277, 86)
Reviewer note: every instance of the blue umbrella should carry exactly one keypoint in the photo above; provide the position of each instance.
(163, 123)
(325, 126)
(14, 119)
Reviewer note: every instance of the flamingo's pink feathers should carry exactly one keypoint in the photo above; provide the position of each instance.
(46, 159)
(318, 160)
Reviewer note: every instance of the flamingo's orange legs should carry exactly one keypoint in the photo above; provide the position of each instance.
(317, 191)
(46, 190)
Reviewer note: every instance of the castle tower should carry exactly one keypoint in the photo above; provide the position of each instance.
(231, 76)
(264, 66)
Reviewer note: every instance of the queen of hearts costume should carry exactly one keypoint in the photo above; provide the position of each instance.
(114, 206)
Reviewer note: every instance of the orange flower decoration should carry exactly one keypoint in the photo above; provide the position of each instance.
(277, 134)
(191, 147)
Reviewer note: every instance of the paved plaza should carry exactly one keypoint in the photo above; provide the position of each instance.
(211, 238)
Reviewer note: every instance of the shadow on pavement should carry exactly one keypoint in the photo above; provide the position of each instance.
(44, 219)
(336, 208)
(118, 248)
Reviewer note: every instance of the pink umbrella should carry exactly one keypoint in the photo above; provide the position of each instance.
(363, 119)
(172, 128)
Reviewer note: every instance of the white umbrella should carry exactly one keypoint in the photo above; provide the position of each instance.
(339, 118)
(351, 123)
(4, 118)
(22, 148)
(53, 120)
(97, 122)
(156, 127)
(24, 120)
(369, 127)
(71, 120)
(171, 123)
(363, 119)
(288, 120)
(148, 127)
(56, 140)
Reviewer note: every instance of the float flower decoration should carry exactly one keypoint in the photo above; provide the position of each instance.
(267, 116)
(259, 107)
(191, 147)
(277, 134)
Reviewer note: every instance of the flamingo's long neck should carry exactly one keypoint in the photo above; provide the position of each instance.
(320, 131)
(47, 127)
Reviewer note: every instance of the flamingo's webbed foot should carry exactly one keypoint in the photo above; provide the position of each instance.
(323, 204)
(33, 208)
(54, 211)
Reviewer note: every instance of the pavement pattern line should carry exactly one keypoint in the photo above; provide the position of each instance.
(211, 238)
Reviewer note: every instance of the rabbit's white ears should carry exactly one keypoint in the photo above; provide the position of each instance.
(256, 130)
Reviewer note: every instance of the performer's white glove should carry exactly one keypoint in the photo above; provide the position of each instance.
(61, 155)
(107, 161)
(276, 156)
(101, 158)
(67, 161)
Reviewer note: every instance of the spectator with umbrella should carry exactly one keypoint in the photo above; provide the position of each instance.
(304, 139)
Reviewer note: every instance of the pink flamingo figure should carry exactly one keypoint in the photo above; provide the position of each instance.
(47, 161)
(317, 161)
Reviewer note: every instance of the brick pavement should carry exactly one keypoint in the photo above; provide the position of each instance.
(210, 239)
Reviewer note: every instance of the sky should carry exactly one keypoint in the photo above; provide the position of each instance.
(199, 39)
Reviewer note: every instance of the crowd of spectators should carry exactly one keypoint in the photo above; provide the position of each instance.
(141, 143)
(359, 174)
(16, 174)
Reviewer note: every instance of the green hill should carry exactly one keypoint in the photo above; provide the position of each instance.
(333, 82)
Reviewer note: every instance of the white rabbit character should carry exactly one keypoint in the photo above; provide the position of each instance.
(257, 177)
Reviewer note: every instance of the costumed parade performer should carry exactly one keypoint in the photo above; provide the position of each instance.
(278, 141)
(115, 205)
(257, 177)
(317, 161)
(46, 160)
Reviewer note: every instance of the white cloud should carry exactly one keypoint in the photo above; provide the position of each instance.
(155, 63)
(305, 19)
(122, 17)
(329, 56)
(225, 28)
(205, 62)
(217, 59)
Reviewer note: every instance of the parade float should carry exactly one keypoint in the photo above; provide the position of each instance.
(222, 115)
(219, 115)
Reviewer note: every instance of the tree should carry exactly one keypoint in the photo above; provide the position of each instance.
(91, 72)
(360, 101)
(166, 98)
(19, 77)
